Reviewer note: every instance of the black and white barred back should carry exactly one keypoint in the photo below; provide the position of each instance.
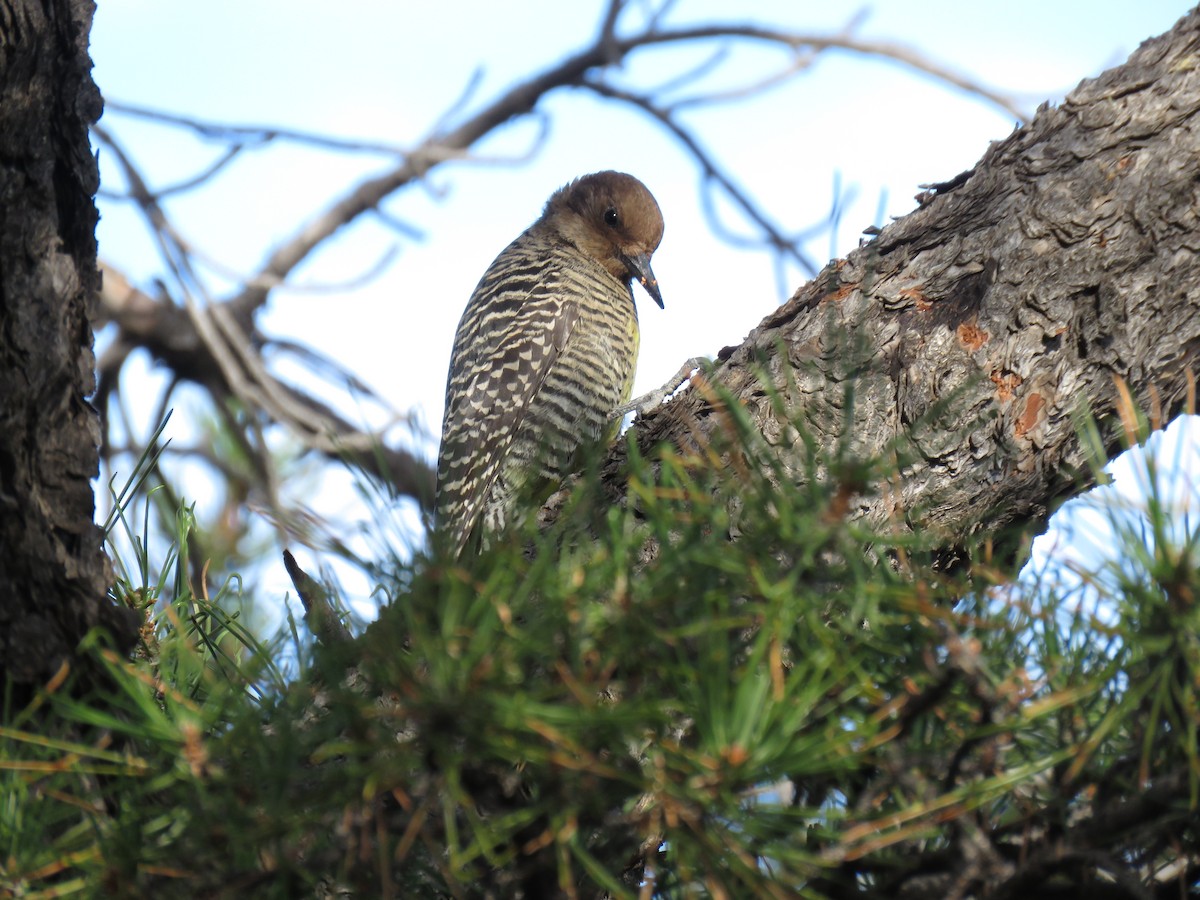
(545, 350)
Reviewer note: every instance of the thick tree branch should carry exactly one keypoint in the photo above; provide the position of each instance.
(1022, 293)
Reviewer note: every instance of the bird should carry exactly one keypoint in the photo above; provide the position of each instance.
(544, 353)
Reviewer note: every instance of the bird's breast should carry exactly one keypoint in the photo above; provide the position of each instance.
(604, 344)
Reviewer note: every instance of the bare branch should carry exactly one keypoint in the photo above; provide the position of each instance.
(247, 135)
(138, 191)
(217, 352)
(713, 173)
(198, 180)
(455, 109)
(657, 15)
(372, 272)
(802, 59)
(329, 370)
(608, 27)
(609, 49)
(401, 227)
(173, 336)
(890, 51)
(737, 94)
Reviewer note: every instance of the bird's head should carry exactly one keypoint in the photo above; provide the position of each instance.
(614, 219)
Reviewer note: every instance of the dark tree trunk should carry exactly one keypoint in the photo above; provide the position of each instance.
(53, 574)
(1063, 267)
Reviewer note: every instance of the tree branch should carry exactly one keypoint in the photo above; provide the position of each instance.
(1024, 289)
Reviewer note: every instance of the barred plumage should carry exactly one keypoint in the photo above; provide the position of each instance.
(544, 352)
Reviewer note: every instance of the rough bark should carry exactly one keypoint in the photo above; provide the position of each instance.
(53, 575)
(1027, 289)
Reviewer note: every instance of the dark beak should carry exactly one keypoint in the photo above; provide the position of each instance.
(639, 269)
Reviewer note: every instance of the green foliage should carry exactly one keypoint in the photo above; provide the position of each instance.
(809, 709)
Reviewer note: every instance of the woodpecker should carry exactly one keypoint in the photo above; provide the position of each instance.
(544, 352)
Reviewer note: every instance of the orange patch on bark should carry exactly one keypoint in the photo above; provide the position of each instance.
(1006, 383)
(917, 296)
(1029, 418)
(972, 336)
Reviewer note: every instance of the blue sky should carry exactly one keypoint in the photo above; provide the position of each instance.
(386, 71)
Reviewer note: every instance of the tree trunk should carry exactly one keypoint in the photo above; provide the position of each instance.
(53, 574)
(1061, 268)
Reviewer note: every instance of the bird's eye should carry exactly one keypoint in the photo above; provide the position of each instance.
(611, 217)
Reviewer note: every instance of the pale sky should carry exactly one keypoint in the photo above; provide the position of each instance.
(385, 71)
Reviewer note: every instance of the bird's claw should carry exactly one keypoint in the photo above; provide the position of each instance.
(660, 395)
